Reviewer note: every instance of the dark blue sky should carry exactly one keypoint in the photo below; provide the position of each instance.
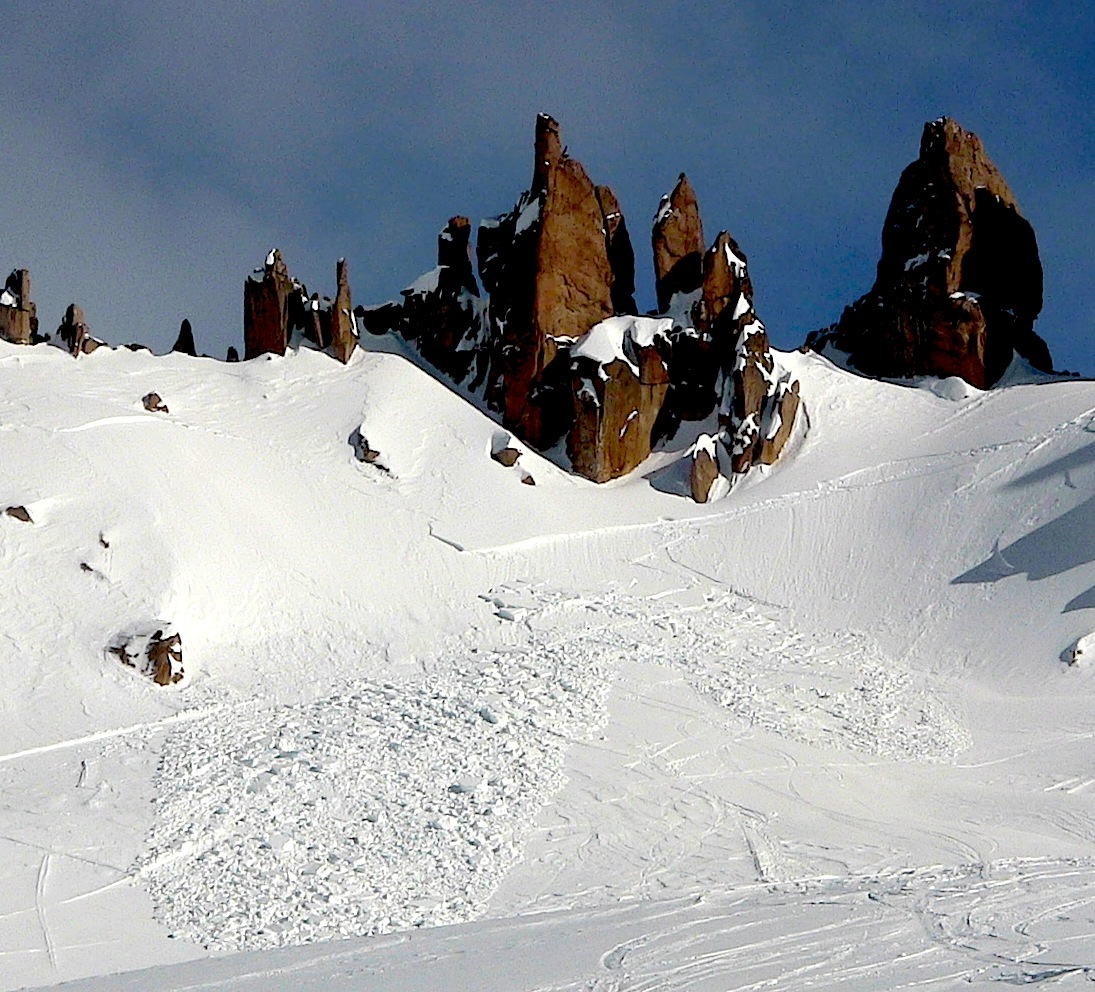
(153, 152)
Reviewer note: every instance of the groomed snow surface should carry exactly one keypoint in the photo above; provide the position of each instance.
(442, 730)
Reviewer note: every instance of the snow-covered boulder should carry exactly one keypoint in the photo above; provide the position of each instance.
(157, 655)
(619, 382)
(959, 284)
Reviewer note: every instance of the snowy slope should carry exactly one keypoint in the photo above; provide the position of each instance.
(817, 733)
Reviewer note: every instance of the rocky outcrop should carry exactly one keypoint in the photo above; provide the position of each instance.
(184, 343)
(266, 314)
(156, 656)
(441, 312)
(74, 333)
(18, 314)
(619, 381)
(154, 403)
(678, 244)
(343, 333)
(19, 513)
(546, 266)
(705, 468)
(959, 283)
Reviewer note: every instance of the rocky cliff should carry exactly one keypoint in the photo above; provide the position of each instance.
(959, 283)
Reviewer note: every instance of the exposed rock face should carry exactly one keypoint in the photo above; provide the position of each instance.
(705, 468)
(74, 332)
(343, 335)
(546, 266)
(157, 656)
(266, 315)
(619, 383)
(19, 513)
(154, 403)
(959, 283)
(18, 314)
(678, 244)
(184, 343)
(441, 313)
(621, 254)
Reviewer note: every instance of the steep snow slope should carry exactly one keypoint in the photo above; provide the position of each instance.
(788, 736)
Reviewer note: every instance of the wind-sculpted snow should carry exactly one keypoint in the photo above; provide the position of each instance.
(380, 808)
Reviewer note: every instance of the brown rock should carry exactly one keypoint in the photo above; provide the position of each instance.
(157, 656)
(705, 468)
(786, 404)
(266, 308)
(617, 400)
(527, 480)
(362, 451)
(19, 513)
(547, 268)
(343, 335)
(73, 331)
(959, 283)
(18, 314)
(153, 403)
(184, 343)
(678, 244)
(506, 456)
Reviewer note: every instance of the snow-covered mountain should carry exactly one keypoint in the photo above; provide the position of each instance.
(821, 732)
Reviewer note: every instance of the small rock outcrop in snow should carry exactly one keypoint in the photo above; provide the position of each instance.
(19, 513)
(959, 284)
(154, 403)
(343, 334)
(157, 656)
(74, 333)
(705, 468)
(18, 314)
(184, 343)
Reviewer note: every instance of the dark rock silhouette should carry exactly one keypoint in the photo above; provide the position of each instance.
(343, 334)
(959, 283)
(74, 333)
(184, 343)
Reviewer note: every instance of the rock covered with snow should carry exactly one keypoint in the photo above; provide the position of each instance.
(619, 382)
(705, 470)
(678, 243)
(441, 312)
(959, 283)
(18, 314)
(156, 655)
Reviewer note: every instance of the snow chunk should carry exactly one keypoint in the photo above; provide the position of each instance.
(8, 300)
(1082, 652)
(737, 264)
(529, 216)
(609, 340)
(743, 307)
